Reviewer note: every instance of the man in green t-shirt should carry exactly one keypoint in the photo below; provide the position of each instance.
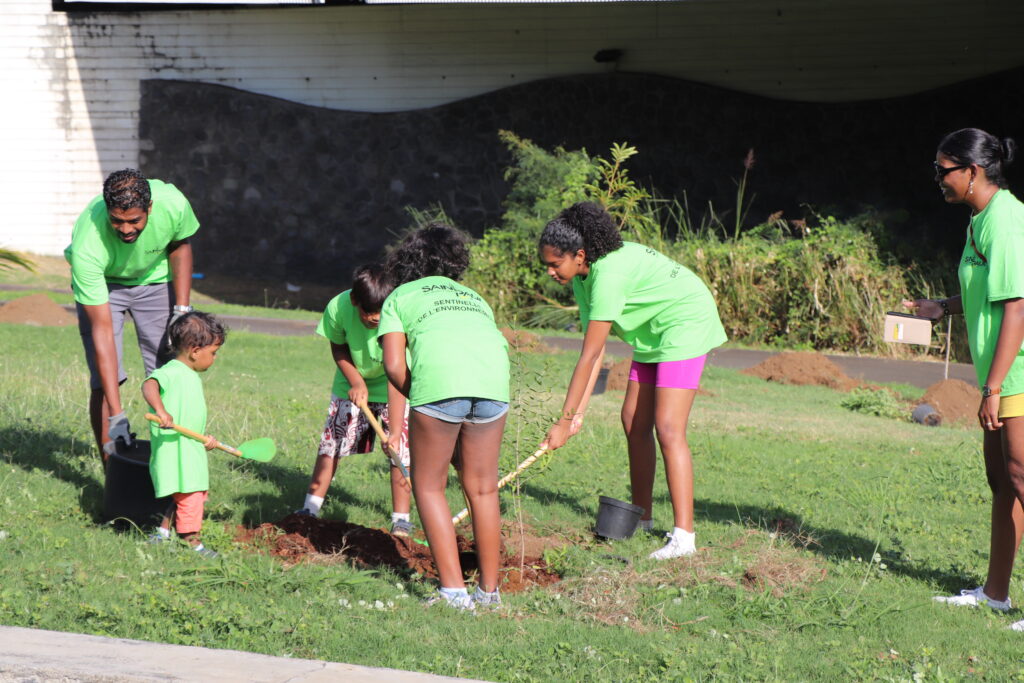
(129, 252)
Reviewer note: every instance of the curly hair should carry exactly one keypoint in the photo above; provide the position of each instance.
(126, 189)
(195, 329)
(370, 286)
(434, 249)
(586, 226)
(975, 146)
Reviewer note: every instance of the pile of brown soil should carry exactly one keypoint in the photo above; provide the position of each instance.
(35, 309)
(802, 368)
(618, 375)
(954, 399)
(522, 340)
(298, 537)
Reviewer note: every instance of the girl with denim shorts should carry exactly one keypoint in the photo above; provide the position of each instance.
(667, 314)
(457, 381)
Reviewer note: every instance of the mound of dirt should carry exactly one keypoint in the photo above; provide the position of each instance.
(522, 340)
(298, 537)
(954, 399)
(802, 368)
(618, 375)
(35, 309)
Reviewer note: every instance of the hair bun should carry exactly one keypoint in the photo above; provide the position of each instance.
(1009, 149)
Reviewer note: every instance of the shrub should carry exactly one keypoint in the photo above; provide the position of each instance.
(878, 402)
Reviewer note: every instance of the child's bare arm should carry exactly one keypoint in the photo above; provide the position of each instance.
(394, 361)
(151, 392)
(358, 393)
(396, 417)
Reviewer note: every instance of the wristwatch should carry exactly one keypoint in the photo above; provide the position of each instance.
(182, 309)
(987, 391)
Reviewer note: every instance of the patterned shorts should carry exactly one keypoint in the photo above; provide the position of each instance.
(347, 430)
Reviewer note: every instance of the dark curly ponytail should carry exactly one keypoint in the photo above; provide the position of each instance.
(586, 226)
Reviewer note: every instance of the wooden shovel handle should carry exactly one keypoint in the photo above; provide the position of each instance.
(185, 431)
(393, 457)
(505, 480)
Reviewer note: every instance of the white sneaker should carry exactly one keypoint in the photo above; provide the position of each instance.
(677, 546)
(975, 598)
(1017, 626)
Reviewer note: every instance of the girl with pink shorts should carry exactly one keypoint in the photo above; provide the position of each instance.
(669, 317)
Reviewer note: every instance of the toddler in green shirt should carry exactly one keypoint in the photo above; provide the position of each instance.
(178, 464)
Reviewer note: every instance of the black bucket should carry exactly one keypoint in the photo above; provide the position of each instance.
(128, 489)
(616, 519)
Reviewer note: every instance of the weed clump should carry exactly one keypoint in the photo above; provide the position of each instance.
(878, 402)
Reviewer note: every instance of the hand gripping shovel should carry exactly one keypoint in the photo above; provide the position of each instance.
(393, 457)
(506, 479)
(261, 450)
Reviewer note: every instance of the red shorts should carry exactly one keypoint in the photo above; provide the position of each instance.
(673, 374)
(188, 513)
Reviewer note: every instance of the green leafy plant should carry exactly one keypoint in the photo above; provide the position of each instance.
(878, 402)
(12, 259)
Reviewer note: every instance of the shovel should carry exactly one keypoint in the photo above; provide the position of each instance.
(393, 457)
(261, 450)
(504, 480)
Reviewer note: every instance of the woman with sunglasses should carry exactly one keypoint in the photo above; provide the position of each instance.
(969, 170)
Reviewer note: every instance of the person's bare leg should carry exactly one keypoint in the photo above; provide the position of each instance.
(98, 418)
(1004, 467)
(672, 411)
(401, 497)
(431, 443)
(480, 445)
(638, 423)
(323, 475)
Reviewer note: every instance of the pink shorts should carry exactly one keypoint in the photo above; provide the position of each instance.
(672, 374)
(188, 514)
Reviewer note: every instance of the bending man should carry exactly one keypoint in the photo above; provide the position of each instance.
(130, 253)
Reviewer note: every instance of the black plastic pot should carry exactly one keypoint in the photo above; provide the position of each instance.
(128, 489)
(616, 519)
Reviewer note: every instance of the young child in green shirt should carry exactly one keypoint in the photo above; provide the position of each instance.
(456, 377)
(350, 324)
(178, 464)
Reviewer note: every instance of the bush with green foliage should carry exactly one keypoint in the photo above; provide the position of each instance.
(822, 283)
(880, 402)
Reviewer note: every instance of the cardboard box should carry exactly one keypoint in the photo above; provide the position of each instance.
(903, 328)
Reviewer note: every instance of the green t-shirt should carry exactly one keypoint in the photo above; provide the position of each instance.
(178, 464)
(98, 256)
(455, 348)
(661, 309)
(999, 236)
(341, 324)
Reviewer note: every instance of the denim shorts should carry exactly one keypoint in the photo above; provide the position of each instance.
(457, 410)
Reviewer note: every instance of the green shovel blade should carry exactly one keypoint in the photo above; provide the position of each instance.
(262, 450)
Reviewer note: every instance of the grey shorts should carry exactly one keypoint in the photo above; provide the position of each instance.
(467, 409)
(150, 308)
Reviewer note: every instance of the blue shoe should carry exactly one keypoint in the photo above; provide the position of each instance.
(402, 528)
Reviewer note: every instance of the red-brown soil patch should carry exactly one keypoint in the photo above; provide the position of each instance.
(618, 375)
(803, 368)
(298, 537)
(522, 340)
(35, 309)
(954, 399)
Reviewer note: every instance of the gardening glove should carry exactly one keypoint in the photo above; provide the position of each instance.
(120, 429)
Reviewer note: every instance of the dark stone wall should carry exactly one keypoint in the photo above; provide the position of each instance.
(304, 194)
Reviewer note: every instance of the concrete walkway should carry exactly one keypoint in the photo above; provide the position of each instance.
(30, 655)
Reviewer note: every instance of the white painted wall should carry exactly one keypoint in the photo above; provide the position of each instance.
(71, 82)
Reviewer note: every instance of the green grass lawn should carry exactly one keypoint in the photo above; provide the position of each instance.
(823, 534)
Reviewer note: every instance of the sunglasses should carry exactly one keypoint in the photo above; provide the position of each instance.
(943, 171)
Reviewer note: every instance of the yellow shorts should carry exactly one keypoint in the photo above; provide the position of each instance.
(1011, 406)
